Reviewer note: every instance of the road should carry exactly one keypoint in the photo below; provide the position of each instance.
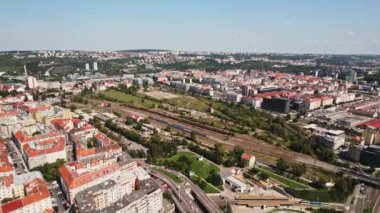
(17, 157)
(201, 196)
(185, 204)
(180, 190)
(376, 206)
(54, 190)
(358, 205)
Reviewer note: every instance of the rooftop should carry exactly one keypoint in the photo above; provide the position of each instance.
(86, 204)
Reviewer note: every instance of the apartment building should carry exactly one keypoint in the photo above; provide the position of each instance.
(41, 148)
(112, 197)
(80, 175)
(36, 199)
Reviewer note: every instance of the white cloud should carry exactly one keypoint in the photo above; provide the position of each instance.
(350, 32)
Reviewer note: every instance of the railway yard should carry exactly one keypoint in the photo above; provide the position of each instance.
(209, 136)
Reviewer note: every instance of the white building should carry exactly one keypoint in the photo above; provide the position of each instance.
(10, 124)
(95, 66)
(236, 184)
(233, 97)
(248, 160)
(332, 139)
(110, 197)
(31, 82)
(36, 199)
(87, 67)
(81, 175)
(344, 98)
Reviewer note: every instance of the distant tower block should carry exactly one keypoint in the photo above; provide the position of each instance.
(87, 67)
(95, 66)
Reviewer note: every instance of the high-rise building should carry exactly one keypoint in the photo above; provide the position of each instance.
(87, 66)
(245, 90)
(95, 66)
(31, 82)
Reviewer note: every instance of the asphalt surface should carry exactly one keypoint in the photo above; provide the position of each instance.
(185, 204)
(376, 199)
(359, 202)
(54, 190)
(16, 157)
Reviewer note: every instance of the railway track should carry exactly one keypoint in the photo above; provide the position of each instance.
(266, 153)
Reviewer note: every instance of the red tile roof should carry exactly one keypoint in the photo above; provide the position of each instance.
(73, 179)
(45, 147)
(21, 137)
(36, 190)
(372, 123)
(246, 156)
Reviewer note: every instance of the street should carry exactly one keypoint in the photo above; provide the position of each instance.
(17, 158)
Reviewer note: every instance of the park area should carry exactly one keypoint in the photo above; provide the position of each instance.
(203, 171)
(156, 94)
(134, 100)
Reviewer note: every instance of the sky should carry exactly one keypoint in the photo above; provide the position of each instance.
(269, 26)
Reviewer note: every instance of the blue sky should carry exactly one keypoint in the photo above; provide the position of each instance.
(285, 26)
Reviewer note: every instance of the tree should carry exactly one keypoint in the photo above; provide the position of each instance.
(214, 178)
(282, 165)
(253, 171)
(73, 108)
(263, 176)
(219, 148)
(237, 152)
(229, 162)
(50, 170)
(36, 133)
(193, 137)
(298, 169)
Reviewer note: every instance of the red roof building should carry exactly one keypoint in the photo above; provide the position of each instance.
(37, 199)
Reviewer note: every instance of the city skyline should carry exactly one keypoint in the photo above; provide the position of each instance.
(294, 26)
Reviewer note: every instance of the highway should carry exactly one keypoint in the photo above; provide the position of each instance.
(184, 202)
(201, 196)
(180, 191)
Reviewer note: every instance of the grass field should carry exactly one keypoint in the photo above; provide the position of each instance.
(130, 99)
(188, 102)
(172, 176)
(283, 180)
(200, 168)
(322, 195)
(210, 189)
